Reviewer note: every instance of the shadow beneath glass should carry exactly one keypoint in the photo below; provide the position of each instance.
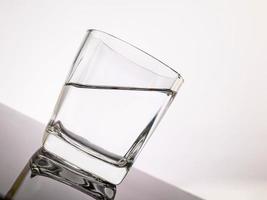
(44, 164)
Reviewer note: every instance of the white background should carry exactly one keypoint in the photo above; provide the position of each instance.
(212, 141)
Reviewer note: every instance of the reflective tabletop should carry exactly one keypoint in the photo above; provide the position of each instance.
(27, 171)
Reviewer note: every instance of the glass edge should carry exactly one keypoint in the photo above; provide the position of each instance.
(178, 75)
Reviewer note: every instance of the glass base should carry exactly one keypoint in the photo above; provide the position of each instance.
(80, 159)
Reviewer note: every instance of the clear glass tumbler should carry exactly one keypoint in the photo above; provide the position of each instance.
(114, 96)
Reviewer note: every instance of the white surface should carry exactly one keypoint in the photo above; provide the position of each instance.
(212, 141)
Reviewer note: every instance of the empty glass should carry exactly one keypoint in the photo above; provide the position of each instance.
(111, 102)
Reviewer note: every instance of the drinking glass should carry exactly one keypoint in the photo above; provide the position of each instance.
(112, 100)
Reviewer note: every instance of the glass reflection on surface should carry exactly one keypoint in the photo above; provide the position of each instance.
(28, 185)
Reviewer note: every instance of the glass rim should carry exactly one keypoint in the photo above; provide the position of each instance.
(179, 77)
